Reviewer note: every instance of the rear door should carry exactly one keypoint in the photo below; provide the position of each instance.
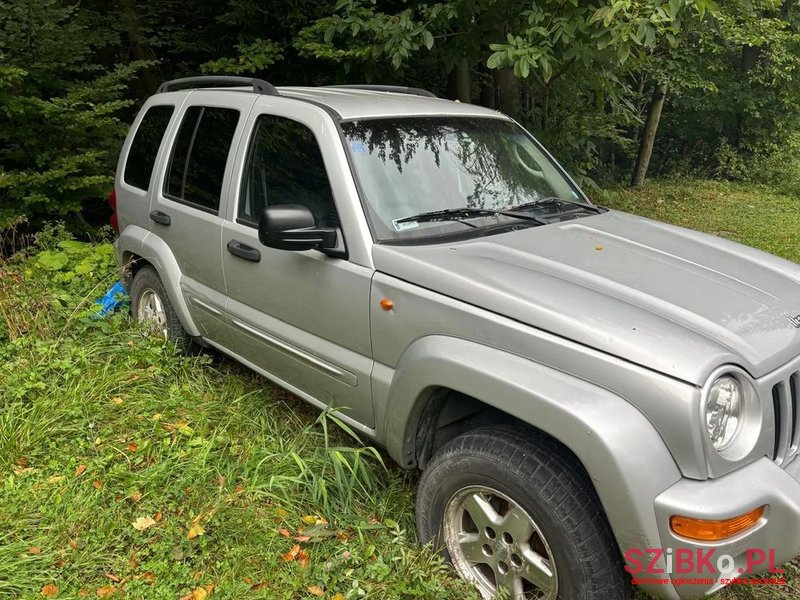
(302, 317)
(186, 207)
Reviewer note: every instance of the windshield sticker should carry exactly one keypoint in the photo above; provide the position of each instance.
(358, 148)
(405, 225)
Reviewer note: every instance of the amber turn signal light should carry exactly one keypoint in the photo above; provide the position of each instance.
(713, 531)
(386, 304)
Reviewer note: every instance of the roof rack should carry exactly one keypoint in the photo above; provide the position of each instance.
(259, 85)
(398, 89)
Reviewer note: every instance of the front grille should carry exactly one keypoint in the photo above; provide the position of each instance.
(787, 430)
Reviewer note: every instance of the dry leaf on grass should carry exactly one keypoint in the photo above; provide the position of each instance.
(291, 554)
(195, 530)
(34, 550)
(79, 471)
(143, 523)
(106, 591)
(315, 590)
(49, 590)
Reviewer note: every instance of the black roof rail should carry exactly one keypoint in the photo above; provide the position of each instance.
(259, 85)
(398, 89)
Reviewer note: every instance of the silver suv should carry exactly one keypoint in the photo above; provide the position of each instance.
(594, 399)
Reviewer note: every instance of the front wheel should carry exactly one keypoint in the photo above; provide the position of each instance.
(517, 515)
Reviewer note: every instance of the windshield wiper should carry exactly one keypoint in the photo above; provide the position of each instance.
(551, 200)
(457, 214)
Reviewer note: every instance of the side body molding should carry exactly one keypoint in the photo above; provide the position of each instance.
(139, 241)
(598, 426)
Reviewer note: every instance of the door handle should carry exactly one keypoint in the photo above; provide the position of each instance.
(160, 217)
(244, 251)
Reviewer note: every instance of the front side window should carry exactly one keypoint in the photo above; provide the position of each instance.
(145, 145)
(470, 169)
(285, 166)
(197, 166)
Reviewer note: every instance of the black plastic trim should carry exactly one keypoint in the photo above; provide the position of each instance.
(397, 89)
(259, 85)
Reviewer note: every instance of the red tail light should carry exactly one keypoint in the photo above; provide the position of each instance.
(112, 202)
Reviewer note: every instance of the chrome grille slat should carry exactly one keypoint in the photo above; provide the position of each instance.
(787, 430)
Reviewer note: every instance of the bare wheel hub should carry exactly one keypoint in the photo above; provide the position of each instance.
(151, 311)
(493, 542)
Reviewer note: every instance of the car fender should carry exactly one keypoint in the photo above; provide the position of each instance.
(627, 460)
(138, 241)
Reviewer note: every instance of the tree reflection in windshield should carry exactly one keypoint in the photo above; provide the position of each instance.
(414, 165)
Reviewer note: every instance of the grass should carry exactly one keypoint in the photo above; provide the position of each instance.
(127, 470)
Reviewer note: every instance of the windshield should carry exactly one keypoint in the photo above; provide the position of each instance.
(416, 165)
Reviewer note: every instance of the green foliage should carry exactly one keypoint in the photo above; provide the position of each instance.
(60, 126)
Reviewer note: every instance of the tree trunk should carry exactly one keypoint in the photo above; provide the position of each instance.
(458, 81)
(487, 94)
(149, 78)
(508, 100)
(649, 135)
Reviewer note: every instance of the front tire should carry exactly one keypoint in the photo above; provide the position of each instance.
(151, 305)
(517, 515)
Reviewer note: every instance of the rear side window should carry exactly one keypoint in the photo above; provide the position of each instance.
(197, 165)
(146, 141)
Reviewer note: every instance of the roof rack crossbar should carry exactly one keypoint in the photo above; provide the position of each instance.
(259, 85)
(399, 89)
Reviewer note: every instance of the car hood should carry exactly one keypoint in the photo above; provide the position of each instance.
(667, 298)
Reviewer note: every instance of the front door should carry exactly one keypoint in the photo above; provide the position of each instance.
(303, 317)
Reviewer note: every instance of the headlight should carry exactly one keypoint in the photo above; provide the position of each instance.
(724, 411)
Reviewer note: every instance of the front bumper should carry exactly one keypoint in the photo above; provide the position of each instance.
(777, 534)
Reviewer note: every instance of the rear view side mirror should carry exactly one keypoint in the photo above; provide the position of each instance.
(291, 227)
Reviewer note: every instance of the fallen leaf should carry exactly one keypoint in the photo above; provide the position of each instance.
(309, 519)
(195, 530)
(49, 590)
(34, 550)
(73, 544)
(59, 564)
(321, 521)
(284, 532)
(302, 558)
(97, 484)
(158, 516)
(239, 488)
(79, 471)
(55, 478)
(143, 523)
(23, 470)
(338, 597)
(22, 461)
(315, 590)
(342, 536)
(83, 592)
(291, 554)
(114, 578)
(301, 538)
(106, 591)
(136, 496)
(220, 481)
(259, 585)
(199, 594)
(117, 400)
(148, 577)
(132, 447)
(197, 575)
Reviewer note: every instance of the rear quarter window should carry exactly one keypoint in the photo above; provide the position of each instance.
(199, 156)
(144, 148)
